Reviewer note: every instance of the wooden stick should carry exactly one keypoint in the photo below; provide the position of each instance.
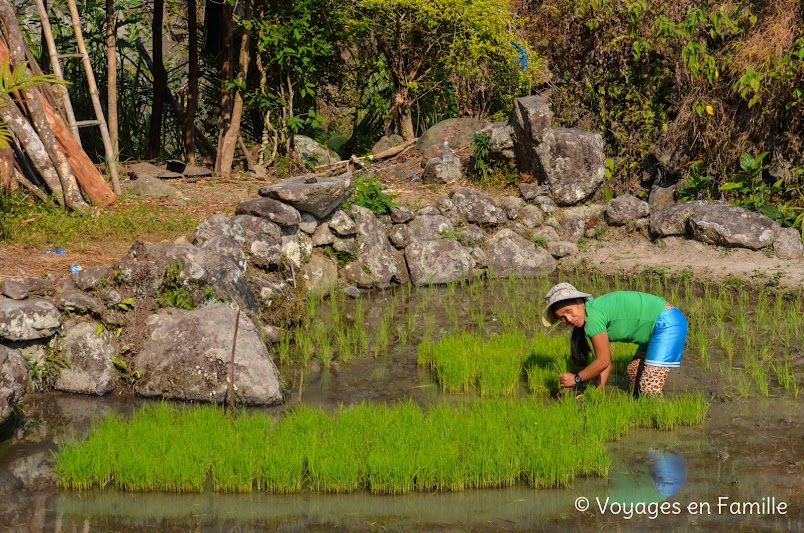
(30, 186)
(231, 362)
(246, 153)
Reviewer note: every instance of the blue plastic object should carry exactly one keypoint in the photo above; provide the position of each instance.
(522, 57)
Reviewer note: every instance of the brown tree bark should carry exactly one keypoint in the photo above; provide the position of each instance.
(192, 82)
(228, 144)
(227, 76)
(111, 76)
(32, 144)
(16, 51)
(160, 81)
(8, 181)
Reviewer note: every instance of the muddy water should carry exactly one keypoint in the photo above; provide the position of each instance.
(739, 471)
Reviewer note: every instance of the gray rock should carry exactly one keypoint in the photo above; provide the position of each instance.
(342, 224)
(110, 297)
(530, 191)
(788, 245)
(213, 226)
(530, 118)
(297, 248)
(270, 209)
(13, 289)
(559, 249)
(470, 234)
(354, 273)
(479, 257)
(398, 235)
(501, 141)
(88, 278)
(77, 302)
(262, 240)
(346, 245)
(352, 292)
(531, 216)
(386, 143)
(151, 187)
(185, 356)
(308, 223)
(672, 219)
(270, 334)
(428, 210)
(270, 290)
(38, 286)
(548, 233)
(574, 227)
(429, 227)
(438, 261)
(376, 253)
(208, 268)
(459, 130)
(573, 163)
(28, 319)
(228, 247)
(385, 220)
(510, 254)
(66, 284)
(34, 471)
(313, 153)
(545, 203)
(728, 225)
(511, 205)
(14, 379)
(439, 171)
(182, 239)
(401, 215)
(317, 197)
(662, 195)
(320, 275)
(623, 209)
(477, 208)
(323, 236)
(447, 208)
(89, 357)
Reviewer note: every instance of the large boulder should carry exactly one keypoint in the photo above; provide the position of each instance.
(788, 245)
(501, 141)
(151, 187)
(262, 240)
(530, 118)
(428, 228)
(386, 142)
(228, 247)
(186, 356)
(376, 255)
(459, 130)
(28, 319)
(672, 219)
(573, 163)
(89, 354)
(510, 254)
(728, 225)
(214, 226)
(626, 208)
(317, 196)
(438, 261)
(13, 381)
(270, 209)
(313, 153)
(475, 207)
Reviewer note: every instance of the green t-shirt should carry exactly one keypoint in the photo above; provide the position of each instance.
(626, 316)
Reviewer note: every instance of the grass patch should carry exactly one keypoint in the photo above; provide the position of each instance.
(387, 449)
(40, 225)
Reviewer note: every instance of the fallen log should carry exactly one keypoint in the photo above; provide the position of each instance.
(36, 191)
(87, 174)
(391, 152)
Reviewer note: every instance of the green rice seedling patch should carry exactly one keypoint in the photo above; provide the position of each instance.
(388, 449)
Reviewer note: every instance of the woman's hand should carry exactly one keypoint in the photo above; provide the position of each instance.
(567, 379)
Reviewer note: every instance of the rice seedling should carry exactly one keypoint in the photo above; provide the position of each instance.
(284, 347)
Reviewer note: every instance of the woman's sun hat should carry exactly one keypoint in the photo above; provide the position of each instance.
(559, 293)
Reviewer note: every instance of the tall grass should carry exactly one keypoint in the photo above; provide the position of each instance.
(387, 449)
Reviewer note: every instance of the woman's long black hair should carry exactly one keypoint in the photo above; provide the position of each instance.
(579, 348)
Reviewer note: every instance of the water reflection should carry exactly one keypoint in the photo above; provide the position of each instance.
(661, 478)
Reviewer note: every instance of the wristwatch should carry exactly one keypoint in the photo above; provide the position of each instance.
(578, 379)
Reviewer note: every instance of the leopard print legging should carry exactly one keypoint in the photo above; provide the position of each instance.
(651, 378)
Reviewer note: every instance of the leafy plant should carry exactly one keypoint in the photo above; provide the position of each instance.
(173, 292)
(371, 194)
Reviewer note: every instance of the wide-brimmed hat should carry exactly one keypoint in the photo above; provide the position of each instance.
(559, 293)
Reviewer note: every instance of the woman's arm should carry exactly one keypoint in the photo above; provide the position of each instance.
(601, 364)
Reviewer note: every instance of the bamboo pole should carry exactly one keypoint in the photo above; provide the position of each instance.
(111, 159)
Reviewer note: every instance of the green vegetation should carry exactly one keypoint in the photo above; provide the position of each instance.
(371, 193)
(43, 226)
(385, 449)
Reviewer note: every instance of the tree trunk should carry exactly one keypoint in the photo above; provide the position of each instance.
(227, 149)
(8, 181)
(227, 98)
(111, 76)
(32, 144)
(401, 109)
(160, 82)
(192, 82)
(16, 42)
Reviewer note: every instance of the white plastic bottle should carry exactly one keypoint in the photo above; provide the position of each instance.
(447, 153)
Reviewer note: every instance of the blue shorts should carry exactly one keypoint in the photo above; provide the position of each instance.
(666, 340)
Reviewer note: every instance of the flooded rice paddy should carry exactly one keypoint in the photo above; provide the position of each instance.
(741, 469)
